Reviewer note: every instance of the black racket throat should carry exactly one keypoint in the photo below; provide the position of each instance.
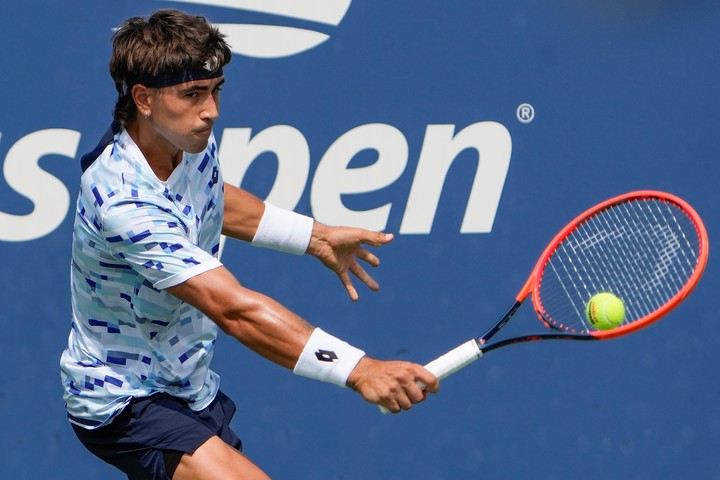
(485, 344)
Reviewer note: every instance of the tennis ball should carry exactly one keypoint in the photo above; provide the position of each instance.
(605, 311)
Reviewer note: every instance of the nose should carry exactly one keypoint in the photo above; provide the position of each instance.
(211, 108)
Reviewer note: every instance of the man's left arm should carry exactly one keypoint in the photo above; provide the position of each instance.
(242, 214)
(248, 218)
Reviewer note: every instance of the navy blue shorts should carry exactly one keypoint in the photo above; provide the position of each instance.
(147, 439)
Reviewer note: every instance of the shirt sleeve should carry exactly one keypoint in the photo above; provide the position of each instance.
(155, 243)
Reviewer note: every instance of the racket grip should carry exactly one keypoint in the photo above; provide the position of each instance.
(449, 363)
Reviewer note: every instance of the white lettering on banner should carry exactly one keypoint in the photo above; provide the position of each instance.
(50, 197)
(333, 177)
(237, 151)
(493, 144)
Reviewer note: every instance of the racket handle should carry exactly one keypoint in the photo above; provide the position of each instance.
(454, 360)
(449, 363)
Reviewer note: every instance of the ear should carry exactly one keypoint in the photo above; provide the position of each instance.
(142, 96)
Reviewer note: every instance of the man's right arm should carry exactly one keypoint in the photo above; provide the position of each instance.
(278, 334)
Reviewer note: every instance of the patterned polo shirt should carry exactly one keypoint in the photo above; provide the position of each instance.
(134, 236)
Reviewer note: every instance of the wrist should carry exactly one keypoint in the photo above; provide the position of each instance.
(359, 373)
(328, 359)
(318, 239)
(283, 230)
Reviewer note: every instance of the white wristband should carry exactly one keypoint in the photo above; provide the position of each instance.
(327, 359)
(283, 230)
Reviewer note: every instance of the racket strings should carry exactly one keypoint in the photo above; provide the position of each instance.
(644, 251)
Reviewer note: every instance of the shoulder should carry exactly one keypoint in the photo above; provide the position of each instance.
(120, 174)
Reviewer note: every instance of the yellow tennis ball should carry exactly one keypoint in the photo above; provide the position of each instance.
(605, 311)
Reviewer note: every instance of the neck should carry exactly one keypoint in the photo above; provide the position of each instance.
(160, 154)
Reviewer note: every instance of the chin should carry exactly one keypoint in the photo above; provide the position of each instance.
(196, 147)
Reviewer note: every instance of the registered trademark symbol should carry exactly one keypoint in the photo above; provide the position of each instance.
(525, 113)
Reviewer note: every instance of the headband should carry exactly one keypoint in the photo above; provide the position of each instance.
(166, 79)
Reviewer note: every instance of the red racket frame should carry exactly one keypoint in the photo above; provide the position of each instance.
(532, 286)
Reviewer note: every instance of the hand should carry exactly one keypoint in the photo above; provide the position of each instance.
(392, 384)
(339, 249)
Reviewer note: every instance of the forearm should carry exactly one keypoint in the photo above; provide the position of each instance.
(267, 328)
(242, 213)
(257, 321)
(276, 333)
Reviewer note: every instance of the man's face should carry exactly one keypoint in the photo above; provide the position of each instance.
(184, 114)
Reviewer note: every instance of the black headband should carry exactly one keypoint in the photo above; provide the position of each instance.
(166, 79)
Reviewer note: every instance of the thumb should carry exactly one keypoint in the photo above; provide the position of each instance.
(377, 239)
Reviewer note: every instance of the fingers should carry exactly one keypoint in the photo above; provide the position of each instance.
(345, 251)
(414, 392)
(404, 399)
(429, 381)
(367, 257)
(362, 275)
(347, 283)
(395, 385)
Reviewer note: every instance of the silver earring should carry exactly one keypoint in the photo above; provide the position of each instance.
(146, 115)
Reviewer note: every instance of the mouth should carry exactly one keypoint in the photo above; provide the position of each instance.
(202, 131)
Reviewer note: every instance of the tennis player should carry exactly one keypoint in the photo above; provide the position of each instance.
(149, 293)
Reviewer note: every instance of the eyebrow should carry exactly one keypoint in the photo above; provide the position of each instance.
(195, 87)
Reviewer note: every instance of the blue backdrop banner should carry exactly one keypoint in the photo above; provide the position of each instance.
(473, 131)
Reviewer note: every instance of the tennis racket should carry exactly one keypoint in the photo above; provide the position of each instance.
(648, 248)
